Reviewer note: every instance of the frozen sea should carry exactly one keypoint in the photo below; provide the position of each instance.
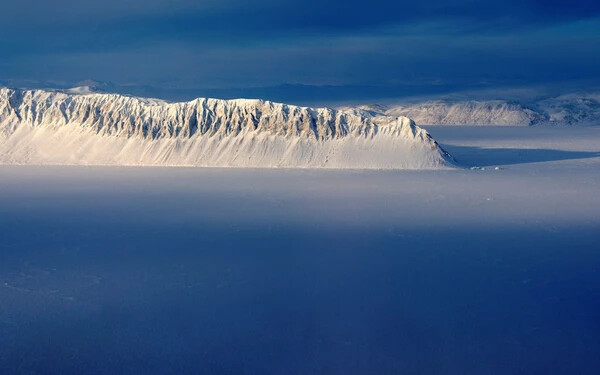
(490, 270)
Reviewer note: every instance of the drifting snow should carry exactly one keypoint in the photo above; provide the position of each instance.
(80, 127)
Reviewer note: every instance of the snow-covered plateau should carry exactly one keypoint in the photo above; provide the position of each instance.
(80, 127)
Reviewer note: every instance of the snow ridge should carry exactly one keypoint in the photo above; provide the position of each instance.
(82, 127)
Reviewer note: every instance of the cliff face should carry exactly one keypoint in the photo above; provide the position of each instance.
(48, 127)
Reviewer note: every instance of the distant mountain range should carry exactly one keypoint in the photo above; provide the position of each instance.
(558, 105)
(566, 110)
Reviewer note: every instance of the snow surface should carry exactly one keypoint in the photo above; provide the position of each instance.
(519, 147)
(565, 110)
(258, 271)
(78, 127)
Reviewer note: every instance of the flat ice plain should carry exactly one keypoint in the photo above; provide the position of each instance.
(254, 271)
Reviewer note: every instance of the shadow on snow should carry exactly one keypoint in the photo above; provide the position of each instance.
(477, 156)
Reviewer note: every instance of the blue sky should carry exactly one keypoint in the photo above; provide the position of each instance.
(298, 50)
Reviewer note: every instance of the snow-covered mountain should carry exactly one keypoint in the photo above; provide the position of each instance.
(494, 112)
(571, 109)
(566, 110)
(82, 127)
